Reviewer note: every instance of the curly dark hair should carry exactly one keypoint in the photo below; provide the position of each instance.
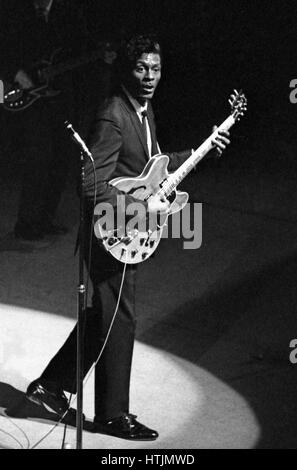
(140, 44)
(133, 48)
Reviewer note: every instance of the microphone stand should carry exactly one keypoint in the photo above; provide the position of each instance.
(81, 311)
(81, 289)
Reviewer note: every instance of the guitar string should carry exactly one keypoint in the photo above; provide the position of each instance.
(173, 180)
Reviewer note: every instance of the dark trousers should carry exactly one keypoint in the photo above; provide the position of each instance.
(112, 373)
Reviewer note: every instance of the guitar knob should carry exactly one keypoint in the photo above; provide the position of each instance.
(130, 235)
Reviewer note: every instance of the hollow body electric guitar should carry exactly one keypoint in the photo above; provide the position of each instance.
(135, 243)
(19, 99)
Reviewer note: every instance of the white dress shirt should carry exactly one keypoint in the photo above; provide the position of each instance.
(139, 109)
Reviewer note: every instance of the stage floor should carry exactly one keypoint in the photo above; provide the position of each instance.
(211, 366)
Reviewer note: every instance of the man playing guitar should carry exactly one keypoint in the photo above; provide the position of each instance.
(121, 146)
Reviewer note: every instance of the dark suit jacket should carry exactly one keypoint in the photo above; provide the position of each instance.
(119, 148)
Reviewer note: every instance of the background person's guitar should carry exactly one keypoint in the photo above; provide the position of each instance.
(132, 245)
(18, 99)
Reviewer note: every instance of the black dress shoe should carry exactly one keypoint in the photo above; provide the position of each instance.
(48, 395)
(125, 427)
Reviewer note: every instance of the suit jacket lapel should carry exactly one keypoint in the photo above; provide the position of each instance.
(136, 122)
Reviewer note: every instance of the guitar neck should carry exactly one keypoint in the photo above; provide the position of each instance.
(176, 177)
(59, 69)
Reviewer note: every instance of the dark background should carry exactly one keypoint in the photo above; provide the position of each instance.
(211, 47)
(240, 287)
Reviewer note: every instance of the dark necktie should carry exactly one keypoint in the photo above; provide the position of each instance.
(144, 121)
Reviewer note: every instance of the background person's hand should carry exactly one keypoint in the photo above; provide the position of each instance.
(23, 80)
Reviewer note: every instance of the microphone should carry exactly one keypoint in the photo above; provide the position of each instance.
(77, 138)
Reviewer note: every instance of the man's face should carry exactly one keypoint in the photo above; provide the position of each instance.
(145, 77)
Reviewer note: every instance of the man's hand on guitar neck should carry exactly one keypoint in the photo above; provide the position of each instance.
(220, 141)
(23, 80)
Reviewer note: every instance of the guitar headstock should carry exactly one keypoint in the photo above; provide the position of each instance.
(238, 103)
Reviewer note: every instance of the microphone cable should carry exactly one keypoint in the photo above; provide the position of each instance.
(72, 398)
(89, 155)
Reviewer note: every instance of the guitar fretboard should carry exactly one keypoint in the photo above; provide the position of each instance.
(175, 178)
(54, 70)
